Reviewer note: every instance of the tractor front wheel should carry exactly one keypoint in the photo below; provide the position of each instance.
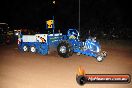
(100, 58)
(65, 49)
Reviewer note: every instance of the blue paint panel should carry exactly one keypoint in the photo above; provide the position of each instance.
(53, 41)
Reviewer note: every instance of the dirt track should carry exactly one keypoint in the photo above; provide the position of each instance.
(27, 70)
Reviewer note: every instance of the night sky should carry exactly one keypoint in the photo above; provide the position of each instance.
(34, 13)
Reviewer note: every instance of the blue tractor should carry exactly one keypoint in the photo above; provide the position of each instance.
(71, 44)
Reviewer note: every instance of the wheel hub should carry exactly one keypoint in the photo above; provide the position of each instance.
(25, 48)
(63, 49)
(33, 49)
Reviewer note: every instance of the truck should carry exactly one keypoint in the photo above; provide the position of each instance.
(65, 45)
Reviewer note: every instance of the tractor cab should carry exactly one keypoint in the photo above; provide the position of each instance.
(73, 34)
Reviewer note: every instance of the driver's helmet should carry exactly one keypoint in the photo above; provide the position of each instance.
(73, 33)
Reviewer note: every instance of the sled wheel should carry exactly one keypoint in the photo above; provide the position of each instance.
(33, 49)
(81, 80)
(25, 48)
(64, 49)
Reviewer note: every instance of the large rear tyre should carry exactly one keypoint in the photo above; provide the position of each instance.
(65, 49)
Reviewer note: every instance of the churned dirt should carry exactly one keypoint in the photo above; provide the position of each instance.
(27, 70)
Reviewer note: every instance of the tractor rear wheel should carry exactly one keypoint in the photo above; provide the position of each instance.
(64, 49)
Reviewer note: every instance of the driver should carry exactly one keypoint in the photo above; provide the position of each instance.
(73, 35)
